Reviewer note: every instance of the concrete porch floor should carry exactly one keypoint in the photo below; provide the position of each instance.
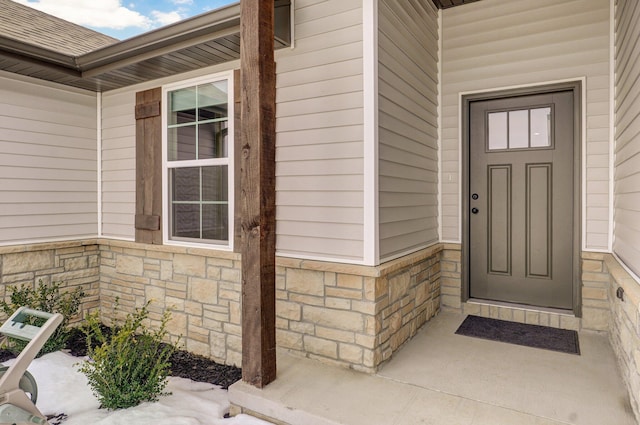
(440, 378)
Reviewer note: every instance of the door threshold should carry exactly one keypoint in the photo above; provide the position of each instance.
(523, 313)
(524, 307)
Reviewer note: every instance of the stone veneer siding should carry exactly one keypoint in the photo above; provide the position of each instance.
(595, 292)
(595, 299)
(201, 287)
(451, 272)
(74, 263)
(624, 330)
(355, 316)
(352, 316)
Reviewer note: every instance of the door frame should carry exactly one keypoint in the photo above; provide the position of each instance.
(576, 87)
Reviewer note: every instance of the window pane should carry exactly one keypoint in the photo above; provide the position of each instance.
(186, 220)
(181, 143)
(198, 129)
(212, 140)
(182, 106)
(498, 130)
(212, 101)
(540, 127)
(199, 203)
(518, 129)
(185, 184)
(215, 219)
(215, 184)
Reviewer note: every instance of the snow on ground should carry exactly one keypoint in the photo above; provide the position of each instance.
(63, 389)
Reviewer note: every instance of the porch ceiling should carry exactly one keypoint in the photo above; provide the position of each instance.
(445, 4)
(208, 39)
(204, 40)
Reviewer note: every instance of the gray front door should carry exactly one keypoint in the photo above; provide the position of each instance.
(521, 188)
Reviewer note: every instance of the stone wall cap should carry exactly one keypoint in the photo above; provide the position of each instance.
(593, 255)
(356, 269)
(325, 266)
(452, 246)
(173, 249)
(409, 259)
(30, 247)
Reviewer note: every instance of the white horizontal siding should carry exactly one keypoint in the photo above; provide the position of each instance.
(408, 122)
(501, 43)
(627, 153)
(119, 152)
(118, 165)
(319, 138)
(320, 167)
(48, 177)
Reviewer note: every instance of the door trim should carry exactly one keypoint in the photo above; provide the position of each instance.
(576, 87)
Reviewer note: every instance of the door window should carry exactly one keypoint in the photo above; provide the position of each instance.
(519, 129)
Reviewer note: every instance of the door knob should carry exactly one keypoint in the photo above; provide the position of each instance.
(475, 210)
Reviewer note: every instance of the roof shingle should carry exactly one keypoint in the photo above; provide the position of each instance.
(31, 26)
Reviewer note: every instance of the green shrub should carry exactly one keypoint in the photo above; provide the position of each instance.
(130, 364)
(47, 298)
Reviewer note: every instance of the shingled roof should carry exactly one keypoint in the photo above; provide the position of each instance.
(31, 26)
(38, 45)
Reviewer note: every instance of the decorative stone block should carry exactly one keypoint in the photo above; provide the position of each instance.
(350, 353)
(532, 317)
(337, 292)
(288, 310)
(203, 290)
(230, 275)
(178, 324)
(27, 262)
(350, 281)
(336, 319)
(189, 265)
(335, 334)
(306, 282)
(200, 348)
(594, 293)
(129, 265)
(338, 303)
(290, 340)
(570, 322)
(155, 294)
(398, 286)
(592, 266)
(595, 319)
(322, 347)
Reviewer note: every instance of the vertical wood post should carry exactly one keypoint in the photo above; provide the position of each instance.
(257, 184)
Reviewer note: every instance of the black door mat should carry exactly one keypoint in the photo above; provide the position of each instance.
(562, 340)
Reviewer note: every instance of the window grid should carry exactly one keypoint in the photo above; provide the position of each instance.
(514, 129)
(220, 185)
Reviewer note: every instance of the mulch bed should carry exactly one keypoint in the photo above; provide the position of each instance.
(183, 364)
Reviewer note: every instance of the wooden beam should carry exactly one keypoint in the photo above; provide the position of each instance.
(257, 184)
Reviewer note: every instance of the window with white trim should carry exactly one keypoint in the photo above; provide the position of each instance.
(198, 145)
